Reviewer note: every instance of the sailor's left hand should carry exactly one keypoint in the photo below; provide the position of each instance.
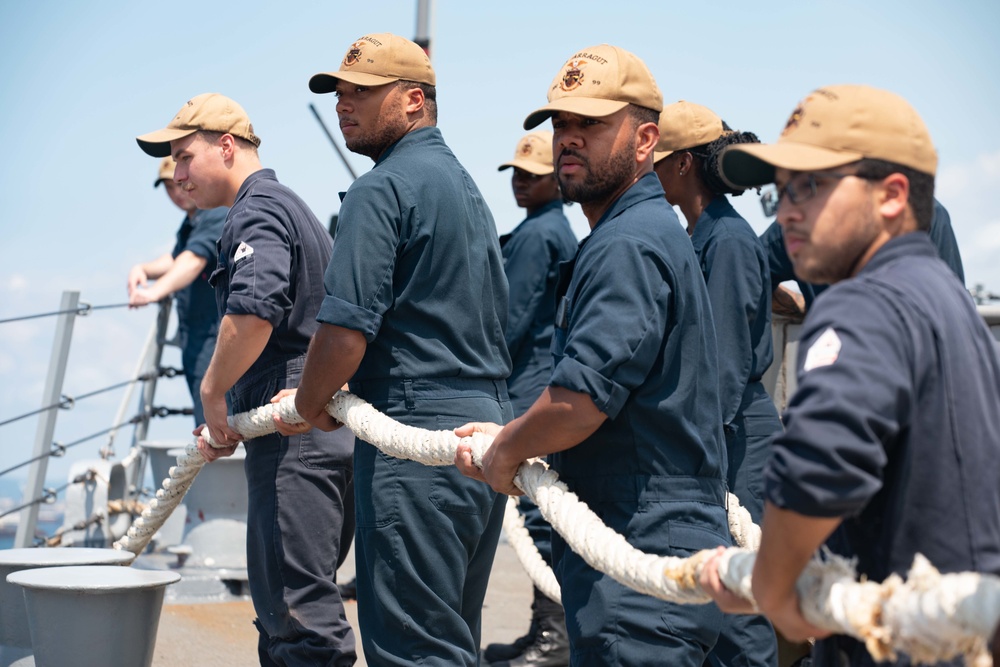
(498, 469)
(209, 452)
(286, 428)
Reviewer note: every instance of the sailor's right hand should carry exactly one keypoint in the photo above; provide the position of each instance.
(136, 278)
(283, 427)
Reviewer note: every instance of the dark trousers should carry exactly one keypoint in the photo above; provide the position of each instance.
(195, 357)
(299, 526)
(749, 640)
(610, 624)
(426, 536)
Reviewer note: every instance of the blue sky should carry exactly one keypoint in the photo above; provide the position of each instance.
(81, 80)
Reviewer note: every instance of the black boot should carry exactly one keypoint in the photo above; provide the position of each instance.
(495, 653)
(550, 646)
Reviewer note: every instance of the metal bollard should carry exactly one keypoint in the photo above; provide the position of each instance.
(92, 616)
(15, 638)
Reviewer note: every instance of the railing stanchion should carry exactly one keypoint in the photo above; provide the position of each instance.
(47, 420)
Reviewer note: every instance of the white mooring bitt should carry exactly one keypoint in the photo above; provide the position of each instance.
(93, 616)
(15, 638)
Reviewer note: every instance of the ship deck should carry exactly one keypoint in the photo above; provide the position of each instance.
(222, 633)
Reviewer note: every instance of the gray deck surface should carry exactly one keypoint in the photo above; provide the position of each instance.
(221, 634)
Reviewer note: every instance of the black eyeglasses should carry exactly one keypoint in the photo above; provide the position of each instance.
(771, 196)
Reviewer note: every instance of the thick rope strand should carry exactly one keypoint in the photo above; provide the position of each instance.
(930, 616)
(534, 565)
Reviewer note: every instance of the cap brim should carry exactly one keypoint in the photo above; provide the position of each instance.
(659, 155)
(530, 167)
(157, 143)
(326, 82)
(584, 106)
(753, 165)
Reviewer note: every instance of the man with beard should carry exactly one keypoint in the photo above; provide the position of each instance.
(414, 318)
(268, 286)
(630, 419)
(890, 440)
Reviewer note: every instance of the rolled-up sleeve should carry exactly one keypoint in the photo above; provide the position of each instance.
(618, 316)
(358, 279)
(260, 267)
(854, 395)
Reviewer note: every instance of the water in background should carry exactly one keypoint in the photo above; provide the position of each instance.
(49, 521)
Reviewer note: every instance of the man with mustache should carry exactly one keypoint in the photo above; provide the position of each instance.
(630, 418)
(890, 440)
(268, 285)
(414, 318)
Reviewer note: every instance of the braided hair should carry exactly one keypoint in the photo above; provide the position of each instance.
(708, 159)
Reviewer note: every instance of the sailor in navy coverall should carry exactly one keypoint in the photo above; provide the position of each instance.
(184, 271)
(890, 441)
(736, 274)
(532, 253)
(630, 418)
(299, 522)
(271, 258)
(414, 317)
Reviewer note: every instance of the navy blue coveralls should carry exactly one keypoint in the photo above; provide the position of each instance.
(417, 269)
(531, 257)
(895, 424)
(739, 288)
(634, 331)
(272, 256)
(197, 313)
(941, 233)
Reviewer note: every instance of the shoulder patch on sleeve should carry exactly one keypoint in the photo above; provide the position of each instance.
(243, 251)
(824, 350)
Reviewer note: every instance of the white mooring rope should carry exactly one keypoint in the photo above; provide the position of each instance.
(930, 616)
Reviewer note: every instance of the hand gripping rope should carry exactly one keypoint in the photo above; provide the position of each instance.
(930, 616)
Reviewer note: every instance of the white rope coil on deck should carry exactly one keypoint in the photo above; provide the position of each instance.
(930, 617)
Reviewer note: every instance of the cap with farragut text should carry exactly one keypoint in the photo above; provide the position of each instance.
(597, 82)
(684, 125)
(533, 154)
(374, 60)
(832, 127)
(210, 112)
(166, 172)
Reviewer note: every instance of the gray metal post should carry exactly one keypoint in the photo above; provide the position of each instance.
(134, 483)
(47, 420)
(423, 37)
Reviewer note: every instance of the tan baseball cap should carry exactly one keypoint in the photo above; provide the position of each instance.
(597, 82)
(166, 173)
(533, 154)
(834, 126)
(211, 112)
(685, 125)
(374, 60)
